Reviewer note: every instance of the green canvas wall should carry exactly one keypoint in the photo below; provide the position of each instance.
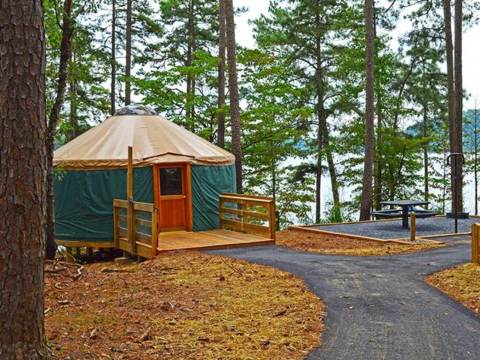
(83, 201)
(208, 182)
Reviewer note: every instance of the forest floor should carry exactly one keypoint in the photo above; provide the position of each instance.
(185, 305)
(461, 282)
(339, 245)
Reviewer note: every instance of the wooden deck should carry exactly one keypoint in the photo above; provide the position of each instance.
(212, 239)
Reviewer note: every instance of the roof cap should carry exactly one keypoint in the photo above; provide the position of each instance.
(135, 109)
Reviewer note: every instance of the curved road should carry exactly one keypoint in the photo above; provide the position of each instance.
(380, 307)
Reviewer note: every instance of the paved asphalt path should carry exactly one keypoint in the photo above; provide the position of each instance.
(380, 307)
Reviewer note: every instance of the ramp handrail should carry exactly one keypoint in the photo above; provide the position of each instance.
(135, 241)
(248, 213)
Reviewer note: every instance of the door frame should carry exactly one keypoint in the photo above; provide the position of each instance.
(186, 184)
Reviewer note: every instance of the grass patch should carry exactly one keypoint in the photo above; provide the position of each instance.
(338, 245)
(182, 306)
(461, 283)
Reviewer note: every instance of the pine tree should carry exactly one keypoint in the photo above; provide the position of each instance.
(24, 188)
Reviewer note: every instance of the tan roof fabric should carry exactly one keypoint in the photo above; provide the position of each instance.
(155, 140)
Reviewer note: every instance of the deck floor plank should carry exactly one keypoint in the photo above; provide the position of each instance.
(212, 239)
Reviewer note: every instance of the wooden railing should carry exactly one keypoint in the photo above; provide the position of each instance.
(135, 231)
(248, 213)
(476, 244)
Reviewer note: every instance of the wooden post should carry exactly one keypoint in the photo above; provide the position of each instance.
(130, 210)
(116, 225)
(413, 226)
(475, 244)
(70, 257)
(154, 232)
(272, 220)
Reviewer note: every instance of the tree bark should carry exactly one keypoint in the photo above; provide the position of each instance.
(233, 92)
(475, 158)
(324, 138)
(23, 170)
(128, 54)
(366, 197)
(426, 177)
(73, 115)
(318, 178)
(458, 140)
(113, 60)
(221, 75)
(65, 56)
(191, 48)
(447, 13)
(378, 163)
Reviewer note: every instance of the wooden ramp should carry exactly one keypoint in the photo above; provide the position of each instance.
(212, 239)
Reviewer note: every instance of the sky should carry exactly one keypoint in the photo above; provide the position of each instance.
(471, 47)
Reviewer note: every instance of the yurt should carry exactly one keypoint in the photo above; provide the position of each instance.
(178, 171)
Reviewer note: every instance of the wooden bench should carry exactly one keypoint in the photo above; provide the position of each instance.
(396, 213)
(387, 214)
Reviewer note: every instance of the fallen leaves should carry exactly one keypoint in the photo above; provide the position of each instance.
(461, 283)
(181, 306)
(338, 245)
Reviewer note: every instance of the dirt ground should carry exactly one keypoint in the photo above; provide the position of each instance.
(179, 306)
(461, 283)
(338, 245)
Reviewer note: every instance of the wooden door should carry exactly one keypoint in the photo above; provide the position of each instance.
(173, 197)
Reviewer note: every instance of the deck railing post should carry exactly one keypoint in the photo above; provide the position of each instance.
(475, 244)
(130, 210)
(413, 226)
(154, 233)
(116, 224)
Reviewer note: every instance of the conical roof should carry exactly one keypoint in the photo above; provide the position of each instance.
(155, 140)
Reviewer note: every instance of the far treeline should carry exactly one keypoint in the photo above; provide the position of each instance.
(354, 89)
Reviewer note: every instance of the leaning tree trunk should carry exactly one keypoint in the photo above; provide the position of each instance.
(23, 184)
(366, 199)
(458, 140)
(113, 59)
(233, 90)
(128, 54)
(221, 75)
(65, 55)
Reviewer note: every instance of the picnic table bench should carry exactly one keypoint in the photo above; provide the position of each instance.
(406, 208)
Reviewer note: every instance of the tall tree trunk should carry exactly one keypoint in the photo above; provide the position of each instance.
(128, 54)
(318, 178)
(426, 177)
(113, 59)
(221, 75)
(73, 115)
(65, 55)
(458, 141)
(323, 132)
(378, 164)
(447, 13)
(366, 199)
(475, 157)
(23, 194)
(191, 48)
(233, 91)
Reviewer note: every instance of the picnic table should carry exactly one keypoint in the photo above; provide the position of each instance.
(407, 206)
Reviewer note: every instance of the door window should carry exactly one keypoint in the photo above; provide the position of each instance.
(171, 181)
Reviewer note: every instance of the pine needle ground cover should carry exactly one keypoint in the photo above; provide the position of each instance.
(461, 283)
(338, 245)
(180, 306)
